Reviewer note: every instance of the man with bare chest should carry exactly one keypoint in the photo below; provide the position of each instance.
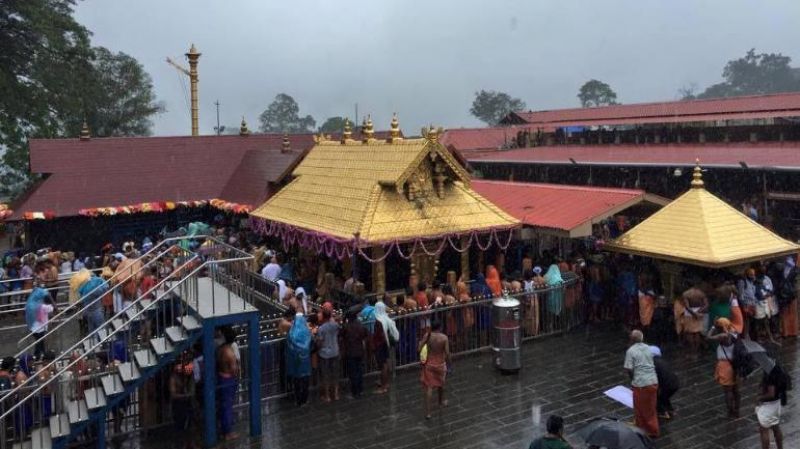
(695, 305)
(227, 381)
(434, 367)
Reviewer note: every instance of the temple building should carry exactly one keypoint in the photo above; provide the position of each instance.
(401, 203)
(750, 145)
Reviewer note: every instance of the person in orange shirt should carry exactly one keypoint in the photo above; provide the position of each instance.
(493, 280)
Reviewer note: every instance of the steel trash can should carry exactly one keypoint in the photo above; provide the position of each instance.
(507, 335)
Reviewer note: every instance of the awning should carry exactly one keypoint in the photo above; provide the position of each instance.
(700, 229)
(563, 210)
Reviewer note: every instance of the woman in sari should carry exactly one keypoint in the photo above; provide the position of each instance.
(555, 295)
(298, 358)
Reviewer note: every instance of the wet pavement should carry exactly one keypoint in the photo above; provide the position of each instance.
(565, 375)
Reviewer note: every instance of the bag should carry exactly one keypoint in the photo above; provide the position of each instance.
(5, 382)
(784, 384)
(743, 363)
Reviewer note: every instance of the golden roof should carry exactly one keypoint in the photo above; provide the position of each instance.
(700, 229)
(382, 191)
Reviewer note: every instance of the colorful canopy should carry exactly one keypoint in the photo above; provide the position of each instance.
(700, 229)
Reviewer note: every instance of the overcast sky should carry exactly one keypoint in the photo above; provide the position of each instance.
(425, 59)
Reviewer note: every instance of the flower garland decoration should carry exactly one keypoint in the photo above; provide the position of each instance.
(165, 206)
(5, 211)
(341, 248)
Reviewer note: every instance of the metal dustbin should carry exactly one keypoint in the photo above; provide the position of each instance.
(506, 335)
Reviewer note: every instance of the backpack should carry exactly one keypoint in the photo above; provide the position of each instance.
(784, 383)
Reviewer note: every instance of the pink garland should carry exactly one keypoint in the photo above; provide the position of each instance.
(340, 248)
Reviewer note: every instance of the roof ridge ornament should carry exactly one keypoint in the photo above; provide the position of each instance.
(85, 131)
(431, 133)
(367, 131)
(347, 133)
(243, 131)
(286, 146)
(697, 175)
(394, 130)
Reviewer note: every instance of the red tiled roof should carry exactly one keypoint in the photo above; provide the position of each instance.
(747, 107)
(110, 172)
(774, 156)
(479, 138)
(563, 207)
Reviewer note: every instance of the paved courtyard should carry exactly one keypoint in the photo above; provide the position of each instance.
(565, 375)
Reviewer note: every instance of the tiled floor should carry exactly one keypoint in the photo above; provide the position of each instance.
(565, 375)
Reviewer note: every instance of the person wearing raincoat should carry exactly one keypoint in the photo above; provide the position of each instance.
(91, 291)
(385, 336)
(38, 308)
(298, 357)
(555, 297)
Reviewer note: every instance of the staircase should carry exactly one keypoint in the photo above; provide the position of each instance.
(143, 339)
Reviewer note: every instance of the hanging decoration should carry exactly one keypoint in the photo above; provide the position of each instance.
(341, 248)
(5, 211)
(49, 215)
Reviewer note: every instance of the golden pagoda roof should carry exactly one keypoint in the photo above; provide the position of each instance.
(382, 191)
(698, 228)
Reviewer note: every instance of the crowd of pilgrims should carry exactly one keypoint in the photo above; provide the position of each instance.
(324, 337)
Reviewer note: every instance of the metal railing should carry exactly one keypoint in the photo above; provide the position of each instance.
(116, 283)
(170, 295)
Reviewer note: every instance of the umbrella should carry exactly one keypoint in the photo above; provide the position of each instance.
(759, 355)
(613, 434)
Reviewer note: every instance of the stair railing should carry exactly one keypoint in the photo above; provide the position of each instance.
(59, 371)
(117, 284)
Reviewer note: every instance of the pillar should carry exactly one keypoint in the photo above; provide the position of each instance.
(465, 259)
(254, 350)
(379, 270)
(209, 385)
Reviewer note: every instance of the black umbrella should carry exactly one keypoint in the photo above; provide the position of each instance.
(613, 434)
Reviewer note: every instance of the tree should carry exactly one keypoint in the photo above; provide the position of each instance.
(282, 116)
(755, 74)
(332, 125)
(123, 100)
(490, 106)
(688, 92)
(51, 80)
(595, 93)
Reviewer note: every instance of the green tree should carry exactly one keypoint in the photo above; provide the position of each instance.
(122, 102)
(755, 74)
(51, 80)
(595, 93)
(332, 125)
(282, 116)
(490, 106)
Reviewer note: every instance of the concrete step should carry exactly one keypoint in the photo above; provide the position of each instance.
(112, 384)
(176, 334)
(77, 411)
(117, 323)
(40, 438)
(59, 426)
(161, 346)
(145, 358)
(131, 313)
(128, 372)
(95, 398)
(189, 323)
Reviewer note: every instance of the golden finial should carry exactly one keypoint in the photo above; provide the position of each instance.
(85, 131)
(193, 51)
(394, 130)
(432, 133)
(367, 131)
(697, 176)
(347, 134)
(243, 131)
(287, 146)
